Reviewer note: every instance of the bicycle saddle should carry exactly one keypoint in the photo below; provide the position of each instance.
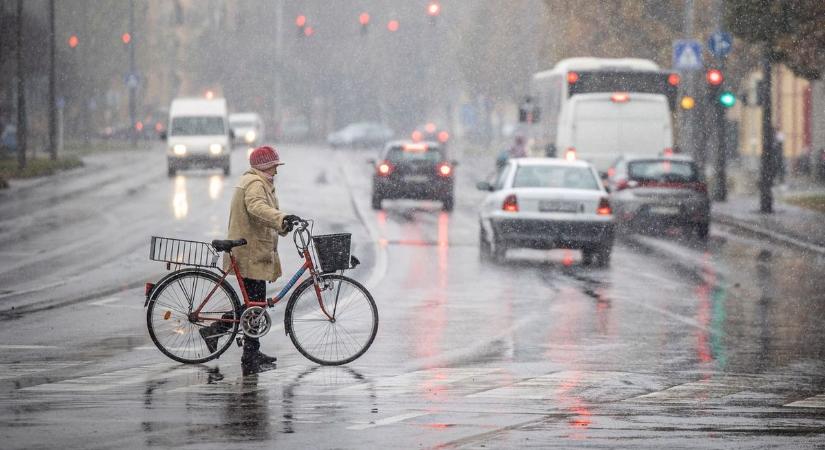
(222, 245)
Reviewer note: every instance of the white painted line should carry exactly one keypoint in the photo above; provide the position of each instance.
(387, 421)
(26, 347)
(109, 380)
(117, 302)
(817, 401)
(732, 222)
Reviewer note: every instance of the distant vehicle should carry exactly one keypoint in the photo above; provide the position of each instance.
(650, 193)
(8, 139)
(552, 89)
(414, 170)
(430, 132)
(546, 203)
(600, 127)
(362, 134)
(294, 129)
(248, 128)
(199, 134)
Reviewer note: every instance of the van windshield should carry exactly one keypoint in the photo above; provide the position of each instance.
(197, 126)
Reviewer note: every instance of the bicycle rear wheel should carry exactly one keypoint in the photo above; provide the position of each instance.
(338, 341)
(168, 316)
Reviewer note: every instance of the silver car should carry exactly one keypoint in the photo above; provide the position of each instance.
(546, 203)
(650, 193)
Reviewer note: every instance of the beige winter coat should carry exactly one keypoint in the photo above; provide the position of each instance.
(254, 216)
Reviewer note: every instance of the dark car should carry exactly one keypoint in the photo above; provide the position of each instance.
(413, 170)
(649, 193)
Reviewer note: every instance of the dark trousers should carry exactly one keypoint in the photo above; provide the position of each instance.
(256, 290)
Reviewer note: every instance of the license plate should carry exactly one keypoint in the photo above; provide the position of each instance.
(665, 210)
(415, 178)
(557, 206)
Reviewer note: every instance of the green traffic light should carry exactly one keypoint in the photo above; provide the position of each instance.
(727, 99)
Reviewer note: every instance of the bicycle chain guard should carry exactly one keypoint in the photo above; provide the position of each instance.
(255, 322)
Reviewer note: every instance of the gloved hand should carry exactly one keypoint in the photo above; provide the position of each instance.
(290, 221)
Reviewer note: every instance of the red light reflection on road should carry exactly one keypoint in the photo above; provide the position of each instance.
(703, 310)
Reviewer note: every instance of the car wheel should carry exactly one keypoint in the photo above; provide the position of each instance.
(376, 201)
(703, 230)
(587, 256)
(226, 169)
(448, 203)
(602, 255)
(499, 251)
(172, 171)
(485, 251)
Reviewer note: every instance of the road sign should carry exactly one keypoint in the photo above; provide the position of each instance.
(687, 54)
(60, 102)
(132, 80)
(720, 44)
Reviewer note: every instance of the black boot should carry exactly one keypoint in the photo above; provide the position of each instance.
(214, 331)
(252, 354)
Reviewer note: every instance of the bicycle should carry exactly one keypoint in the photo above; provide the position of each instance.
(330, 318)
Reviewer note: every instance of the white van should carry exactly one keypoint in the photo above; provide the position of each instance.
(600, 127)
(199, 134)
(248, 128)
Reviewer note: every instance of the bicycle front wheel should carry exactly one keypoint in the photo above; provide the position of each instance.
(345, 334)
(180, 336)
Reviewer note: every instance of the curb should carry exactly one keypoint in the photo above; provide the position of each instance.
(767, 234)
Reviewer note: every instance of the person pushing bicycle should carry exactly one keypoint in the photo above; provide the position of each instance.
(255, 215)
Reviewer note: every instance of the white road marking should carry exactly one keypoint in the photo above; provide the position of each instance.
(387, 421)
(116, 378)
(25, 347)
(18, 370)
(700, 391)
(118, 302)
(817, 401)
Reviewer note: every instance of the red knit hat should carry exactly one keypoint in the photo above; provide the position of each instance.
(263, 158)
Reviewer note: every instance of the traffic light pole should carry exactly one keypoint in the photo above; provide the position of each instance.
(132, 84)
(767, 169)
(720, 188)
(52, 87)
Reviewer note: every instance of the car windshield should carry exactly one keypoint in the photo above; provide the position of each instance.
(662, 170)
(197, 126)
(243, 124)
(398, 154)
(555, 177)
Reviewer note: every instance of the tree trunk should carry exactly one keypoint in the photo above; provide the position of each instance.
(21, 92)
(767, 169)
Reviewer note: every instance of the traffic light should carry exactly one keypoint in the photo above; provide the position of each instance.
(714, 77)
(301, 22)
(73, 41)
(687, 102)
(433, 10)
(392, 25)
(727, 99)
(126, 38)
(364, 20)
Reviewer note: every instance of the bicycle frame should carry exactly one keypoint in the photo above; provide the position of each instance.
(269, 302)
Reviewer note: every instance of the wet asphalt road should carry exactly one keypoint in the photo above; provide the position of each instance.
(678, 343)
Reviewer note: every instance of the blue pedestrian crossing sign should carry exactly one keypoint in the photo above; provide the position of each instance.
(720, 44)
(687, 55)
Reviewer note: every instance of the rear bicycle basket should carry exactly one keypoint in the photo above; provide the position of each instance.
(333, 251)
(182, 252)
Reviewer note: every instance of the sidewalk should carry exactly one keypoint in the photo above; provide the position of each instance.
(790, 224)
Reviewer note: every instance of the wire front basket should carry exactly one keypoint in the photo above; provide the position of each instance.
(333, 251)
(185, 253)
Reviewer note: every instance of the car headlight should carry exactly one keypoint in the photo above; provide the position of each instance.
(179, 149)
(250, 137)
(216, 149)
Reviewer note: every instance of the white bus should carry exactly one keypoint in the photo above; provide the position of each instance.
(551, 90)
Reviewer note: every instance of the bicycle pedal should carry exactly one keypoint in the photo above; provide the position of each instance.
(239, 341)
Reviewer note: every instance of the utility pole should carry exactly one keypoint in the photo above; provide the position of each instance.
(279, 64)
(52, 87)
(21, 92)
(767, 168)
(132, 77)
(720, 189)
(688, 135)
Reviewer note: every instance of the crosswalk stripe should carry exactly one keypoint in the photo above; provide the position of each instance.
(19, 370)
(109, 380)
(817, 401)
(387, 421)
(702, 390)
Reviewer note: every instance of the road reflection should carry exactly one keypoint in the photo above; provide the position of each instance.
(215, 186)
(180, 201)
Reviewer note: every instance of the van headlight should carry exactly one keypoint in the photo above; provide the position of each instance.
(250, 136)
(179, 149)
(216, 149)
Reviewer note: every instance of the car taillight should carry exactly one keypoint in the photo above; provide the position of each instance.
(510, 203)
(700, 187)
(384, 169)
(572, 77)
(604, 207)
(668, 152)
(620, 97)
(570, 154)
(445, 170)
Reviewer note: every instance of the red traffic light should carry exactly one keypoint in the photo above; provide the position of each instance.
(300, 21)
(433, 9)
(126, 38)
(308, 31)
(73, 41)
(364, 19)
(673, 79)
(714, 77)
(392, 25)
